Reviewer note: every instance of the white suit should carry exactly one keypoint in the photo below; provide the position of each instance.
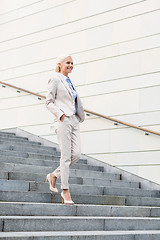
(59, 101)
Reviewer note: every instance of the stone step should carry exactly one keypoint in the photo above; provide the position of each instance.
(39, 149)
(142, 201)
(27, 154)
(53, 209)
(77, 223)
(13, 153)
(111, 179)
(11, 167)
(7, 153)
(26, 148)
(55, 165)
(22, 176)
(94, 190)
(76, 180)
(26, 144)
(82, 163)
(32, 156)
(111, 183)
(7, 134)
(30, 161)
(99, 190)
(24, 196)
(14, 185)
(17, 140)
(83, 235)
(131, 192)
(37, 162)
(43, 156)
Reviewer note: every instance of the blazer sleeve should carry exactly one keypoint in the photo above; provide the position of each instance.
(50, 98)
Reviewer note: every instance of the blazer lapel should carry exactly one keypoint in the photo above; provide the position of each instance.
(66, 85)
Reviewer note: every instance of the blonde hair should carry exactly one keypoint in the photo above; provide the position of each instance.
(60, 60)
(57, 69)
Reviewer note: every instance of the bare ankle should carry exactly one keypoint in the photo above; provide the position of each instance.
(52, 175)
(65, 190)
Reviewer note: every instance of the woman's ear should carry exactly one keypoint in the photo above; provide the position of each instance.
(59, 65)
(58, 69)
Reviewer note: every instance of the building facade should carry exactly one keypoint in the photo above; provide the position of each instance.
(116, 53)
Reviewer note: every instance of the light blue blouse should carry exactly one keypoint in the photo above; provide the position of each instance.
(74, 93)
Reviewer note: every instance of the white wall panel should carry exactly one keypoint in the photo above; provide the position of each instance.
(18, 102)
(149, 172)
(38, 83)
(100, 5)
(116, 103)
(10, 101)
(125, 65)
(35, 7)
(35, 83)
(40, 129)
(151, 122)
(118, 85)
(9, 5)
(51, 138)
(55, 17)
(34, 114)
(141, 119)
(141, 100)
(155, 128)
(82, 57)
(150, 99)
(121, 66)
(120, 140)
(89, 36)
(7, 92)
(108, 36)
(131, 159)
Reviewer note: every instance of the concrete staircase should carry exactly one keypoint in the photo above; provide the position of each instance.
(106, 206)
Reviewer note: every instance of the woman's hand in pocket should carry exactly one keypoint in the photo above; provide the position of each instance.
(62, 117)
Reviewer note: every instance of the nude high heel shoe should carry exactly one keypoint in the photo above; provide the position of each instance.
(48, 178)
(66, 201)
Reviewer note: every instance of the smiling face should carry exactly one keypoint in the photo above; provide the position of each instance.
(66, 66)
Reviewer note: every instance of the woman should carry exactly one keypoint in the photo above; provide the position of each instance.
(63, 101)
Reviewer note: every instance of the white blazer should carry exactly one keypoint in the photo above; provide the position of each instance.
(59, 99)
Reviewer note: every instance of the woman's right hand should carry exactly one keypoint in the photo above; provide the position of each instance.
(62, 117)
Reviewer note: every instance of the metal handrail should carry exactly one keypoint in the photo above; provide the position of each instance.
(147, 131)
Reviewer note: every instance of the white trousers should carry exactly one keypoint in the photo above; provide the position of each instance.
(68, 136)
